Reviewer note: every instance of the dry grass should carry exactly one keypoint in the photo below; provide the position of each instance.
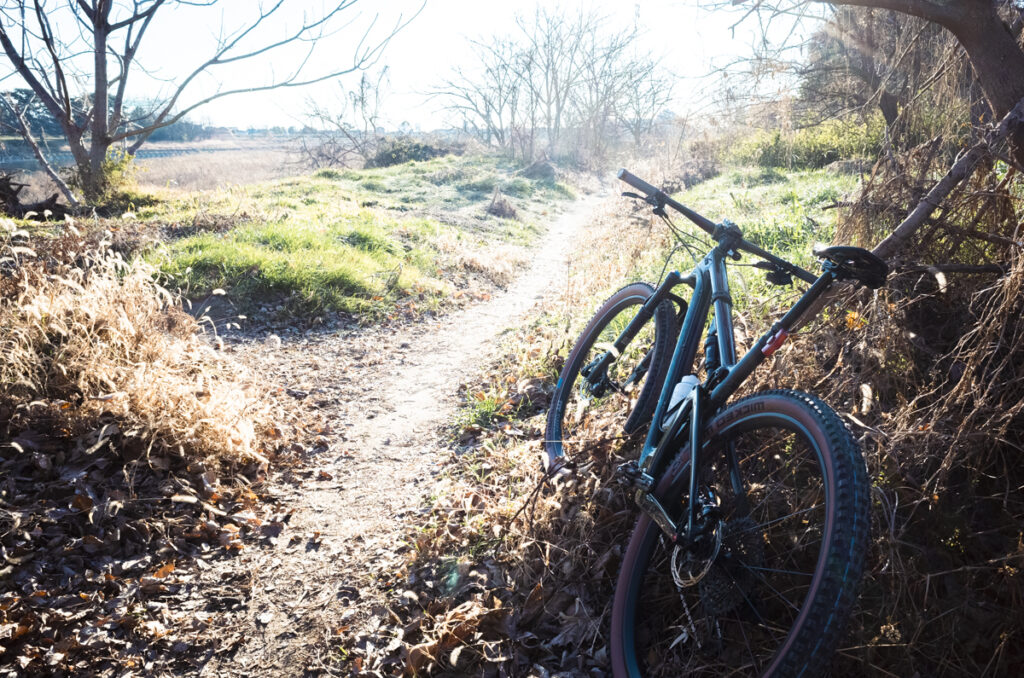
(101, 343)
(202, 166)
(130, 450)
(203, 171)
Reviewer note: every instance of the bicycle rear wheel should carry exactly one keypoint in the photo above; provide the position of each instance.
(582, 415)
(771, 598)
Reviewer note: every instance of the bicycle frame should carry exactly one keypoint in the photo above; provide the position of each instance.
(710, 283)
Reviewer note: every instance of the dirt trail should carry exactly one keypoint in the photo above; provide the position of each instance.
(386, 393)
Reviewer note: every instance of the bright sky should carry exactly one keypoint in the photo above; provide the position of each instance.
(689, 38)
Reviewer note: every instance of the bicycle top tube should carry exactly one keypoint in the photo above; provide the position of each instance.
(659, 198)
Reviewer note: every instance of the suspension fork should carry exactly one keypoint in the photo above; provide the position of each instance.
(595, 371)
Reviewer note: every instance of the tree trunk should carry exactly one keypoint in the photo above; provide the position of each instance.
(998, 61)
(94, 182)
(889, 105)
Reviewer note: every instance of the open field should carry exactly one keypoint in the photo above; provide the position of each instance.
(200, 166)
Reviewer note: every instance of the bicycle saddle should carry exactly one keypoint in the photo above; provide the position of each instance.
(855, 263)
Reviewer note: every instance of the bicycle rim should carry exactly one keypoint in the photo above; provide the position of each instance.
(579, 418)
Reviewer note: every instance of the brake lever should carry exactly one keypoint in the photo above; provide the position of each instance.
(652, 200)
(776, 275)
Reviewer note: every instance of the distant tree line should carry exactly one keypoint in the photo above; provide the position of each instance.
(560, 85)
(44, 125)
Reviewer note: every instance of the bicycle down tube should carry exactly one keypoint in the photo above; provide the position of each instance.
(711, 290)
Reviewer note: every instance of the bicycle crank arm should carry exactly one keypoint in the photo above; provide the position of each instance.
(652, 507)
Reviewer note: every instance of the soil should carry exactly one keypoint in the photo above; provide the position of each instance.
(385, 395)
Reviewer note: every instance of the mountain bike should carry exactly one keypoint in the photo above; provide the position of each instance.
(753, 524)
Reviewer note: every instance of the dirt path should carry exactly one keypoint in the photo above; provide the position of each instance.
(386, 393)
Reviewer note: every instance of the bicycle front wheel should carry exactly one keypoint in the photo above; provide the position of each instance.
(586, 408)
(772, 589)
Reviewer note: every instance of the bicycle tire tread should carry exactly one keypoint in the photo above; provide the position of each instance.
(810, 650)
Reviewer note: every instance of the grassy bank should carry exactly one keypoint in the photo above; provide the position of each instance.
(359, 241)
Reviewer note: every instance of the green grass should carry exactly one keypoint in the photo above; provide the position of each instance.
(346, 263)
(779, 210)
(348, 240)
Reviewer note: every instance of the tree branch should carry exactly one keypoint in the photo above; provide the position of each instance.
(960, 171)
(44, 94)
(944, 14)
(26, 132)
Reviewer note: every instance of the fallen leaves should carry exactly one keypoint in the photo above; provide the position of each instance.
(98, 551)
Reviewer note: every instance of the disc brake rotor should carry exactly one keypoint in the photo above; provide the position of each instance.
(687, 569)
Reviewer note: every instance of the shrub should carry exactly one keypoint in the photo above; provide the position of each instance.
(105, 345)
(327, 173)
(518, 187)
(119, 171)
(402, 150)
(484, 184)
(812, 147)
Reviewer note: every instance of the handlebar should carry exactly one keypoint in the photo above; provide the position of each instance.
(660, 198)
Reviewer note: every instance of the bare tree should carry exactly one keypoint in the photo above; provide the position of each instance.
(348, 132)
(524, 132)
(605, 70)
(83, 81)
(554, 43)
(647, 91)
(488, 99)
(561, 82)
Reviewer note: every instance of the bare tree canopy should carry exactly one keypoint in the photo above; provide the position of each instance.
(990, 32)
(80, 58)
(560, 80)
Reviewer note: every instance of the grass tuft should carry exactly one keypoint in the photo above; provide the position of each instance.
(359, 241)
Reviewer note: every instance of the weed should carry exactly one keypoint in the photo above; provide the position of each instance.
(374, 186)
(481, 185)
(328, 173)
(518, 187)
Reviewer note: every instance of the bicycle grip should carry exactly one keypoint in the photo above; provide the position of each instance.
(637, 183)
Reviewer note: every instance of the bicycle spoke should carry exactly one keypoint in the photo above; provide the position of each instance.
(776, 520)
(764, 581)
(778, 571)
